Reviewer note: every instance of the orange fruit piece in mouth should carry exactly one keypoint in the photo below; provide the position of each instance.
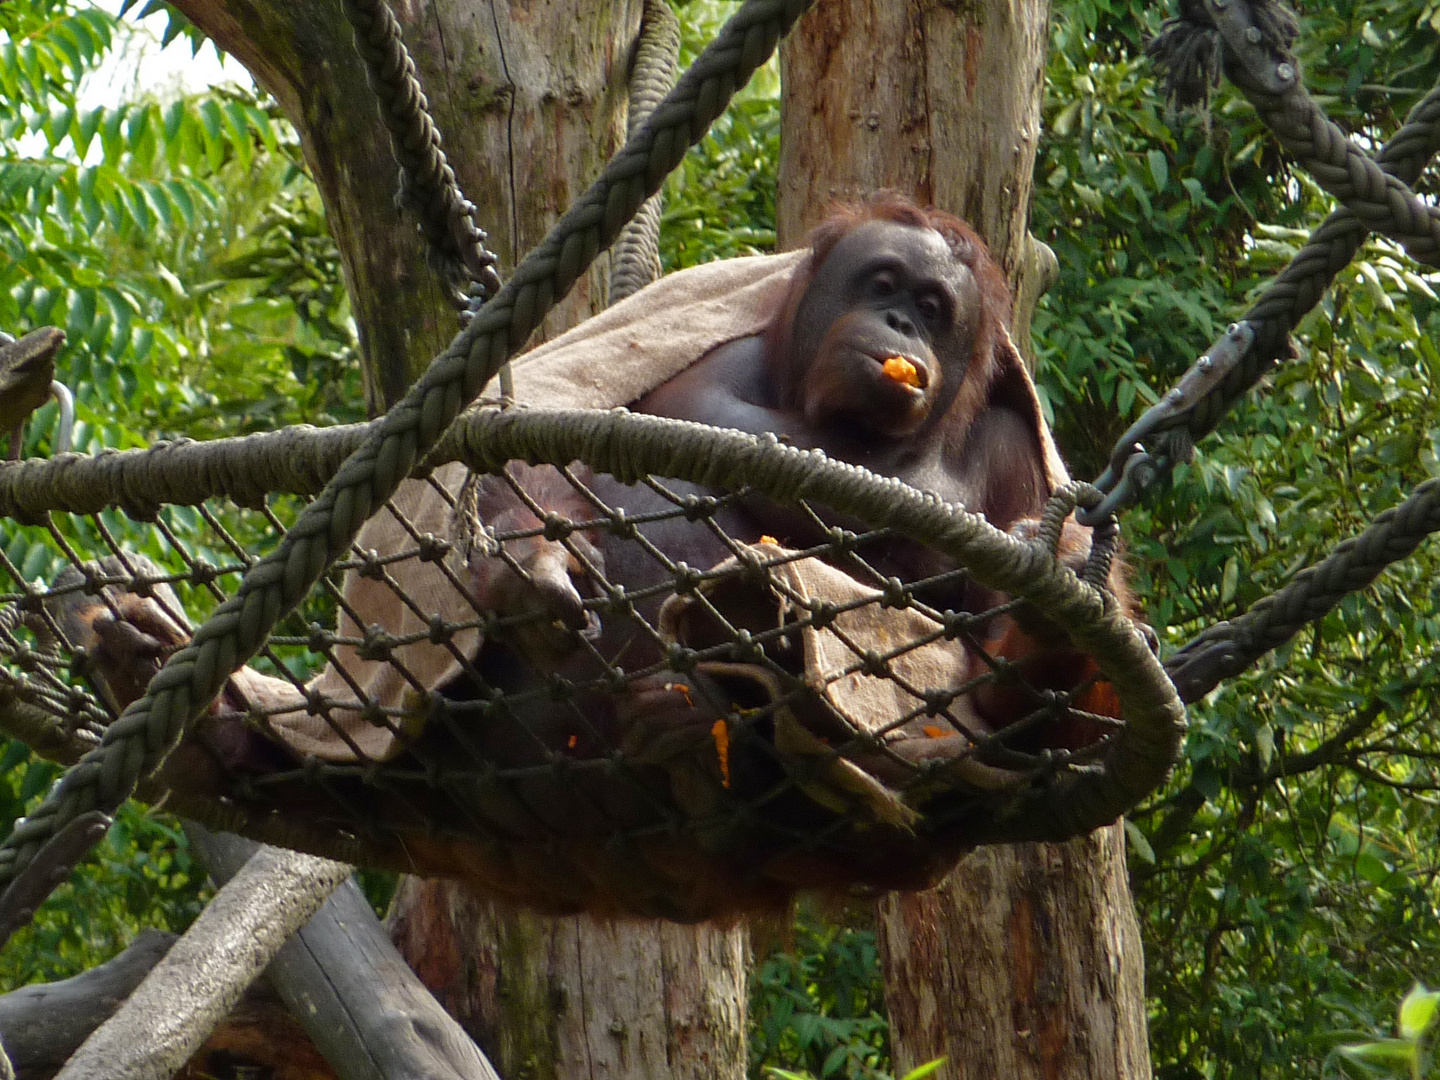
(901, 370)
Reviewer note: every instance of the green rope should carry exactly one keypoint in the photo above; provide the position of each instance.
(636, 255)
(150, 728)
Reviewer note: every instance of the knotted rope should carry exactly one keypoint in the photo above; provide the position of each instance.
(150, 728)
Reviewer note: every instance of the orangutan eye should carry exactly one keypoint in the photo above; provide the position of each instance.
(883, 283)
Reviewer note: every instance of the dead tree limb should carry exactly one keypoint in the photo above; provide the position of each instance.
(42, 1025)
(362, 1006)
(193, 988)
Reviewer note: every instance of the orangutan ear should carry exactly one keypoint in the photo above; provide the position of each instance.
(1011, 387)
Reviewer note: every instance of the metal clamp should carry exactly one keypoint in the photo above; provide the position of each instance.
(1263, 66)
(1165, 425)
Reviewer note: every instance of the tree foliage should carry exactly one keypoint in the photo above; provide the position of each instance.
(1286, 879)
(181, 248)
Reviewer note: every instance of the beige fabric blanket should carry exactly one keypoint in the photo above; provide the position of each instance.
(612, 359)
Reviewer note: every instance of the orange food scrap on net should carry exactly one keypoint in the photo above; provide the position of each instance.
(901, 370)
(935, 732)
(720, 732)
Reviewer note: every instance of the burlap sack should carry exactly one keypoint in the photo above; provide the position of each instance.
(610, 360)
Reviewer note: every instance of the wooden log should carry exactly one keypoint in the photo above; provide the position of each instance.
(360, 1003)
(43, 1024)
(208, 970)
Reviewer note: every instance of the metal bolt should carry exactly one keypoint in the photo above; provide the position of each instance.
(1204, 363)
(1285, 71)
(1253, 35)
(1233, 329)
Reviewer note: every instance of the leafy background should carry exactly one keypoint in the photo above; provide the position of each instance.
(1286, 879)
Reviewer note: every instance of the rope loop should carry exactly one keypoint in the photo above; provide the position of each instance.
(151, 727)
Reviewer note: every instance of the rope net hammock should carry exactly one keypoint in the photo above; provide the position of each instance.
(818, 732)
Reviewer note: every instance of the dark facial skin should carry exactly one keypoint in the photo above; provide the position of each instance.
(886, 290)
(816, 378)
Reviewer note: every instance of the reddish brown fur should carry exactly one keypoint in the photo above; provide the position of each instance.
(965, 244)
(1041, 654)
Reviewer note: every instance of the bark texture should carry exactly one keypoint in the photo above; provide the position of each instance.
(1026, 962)
(940, 101)
(530, 96)
(204, 975)
(576, 997)
(361, 1007)
(41, 1025)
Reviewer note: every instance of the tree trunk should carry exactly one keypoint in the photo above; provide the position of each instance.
(1026, 962)
(530, 97)
(577, 997)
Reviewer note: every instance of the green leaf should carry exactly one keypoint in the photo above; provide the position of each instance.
(1388, 1053)
(922, 1071)
(85, 128)
(110, 133)
(1265, 744)
(180, 199)
(212, 124)
(173, 118)
(1138, 842)
(1230, 579)
(82, 314)
(1159, 169)
(237, 122)
(65, 40)
(1417, 1012)
(1064, 121)
(1089, 196)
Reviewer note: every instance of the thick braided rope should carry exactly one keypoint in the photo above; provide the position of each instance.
(1330, 248)
(1224, 650)
(299, 460)
(634, 446)
(1228, 648)
(446, 217)
(149, 729)
(1293, 293)
(1382, 201)
(636, 255)
(631, 446)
